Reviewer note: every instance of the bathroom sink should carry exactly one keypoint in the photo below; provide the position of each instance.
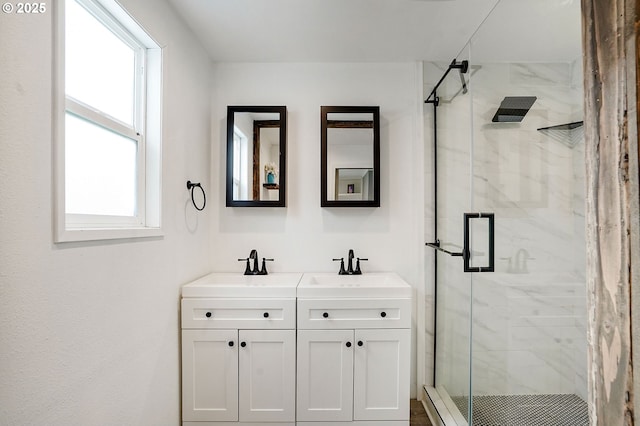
(234, 284)
(372, 284)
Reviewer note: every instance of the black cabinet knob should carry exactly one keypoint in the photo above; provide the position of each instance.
(348, 344)
(243, 344)
(360, 343)
(231, 344)
(383, 314)
(326, 315)
(266, 315)
(208, 314)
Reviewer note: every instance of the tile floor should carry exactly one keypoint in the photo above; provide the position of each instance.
(418, 415)
(527, 410)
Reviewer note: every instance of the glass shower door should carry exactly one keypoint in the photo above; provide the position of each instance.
(528, 339)
(452, 183)
(511, 345)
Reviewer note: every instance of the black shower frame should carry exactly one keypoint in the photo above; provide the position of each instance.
(433, 99)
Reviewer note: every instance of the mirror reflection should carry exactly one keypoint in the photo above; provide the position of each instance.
(354, 184)
(256, 148)
(350, 156)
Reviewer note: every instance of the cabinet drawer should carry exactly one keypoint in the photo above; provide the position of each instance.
(354, 313)
(239, 313)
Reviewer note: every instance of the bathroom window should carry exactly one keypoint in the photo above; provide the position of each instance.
(240, 165)
(107, 124)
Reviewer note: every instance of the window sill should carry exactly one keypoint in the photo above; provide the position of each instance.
(97, 234)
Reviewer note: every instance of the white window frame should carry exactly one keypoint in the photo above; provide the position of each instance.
(146, 131)
(241, 151)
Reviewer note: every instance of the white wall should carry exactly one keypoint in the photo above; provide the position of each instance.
(303, 236)
(89, 332)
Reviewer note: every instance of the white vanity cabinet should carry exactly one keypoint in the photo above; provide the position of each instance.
(353, 353)
(296, 350)
(239, 351)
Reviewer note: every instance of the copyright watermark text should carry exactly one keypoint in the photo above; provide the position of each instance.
(24, 8)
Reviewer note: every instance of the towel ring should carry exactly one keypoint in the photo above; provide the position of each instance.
(190, 186)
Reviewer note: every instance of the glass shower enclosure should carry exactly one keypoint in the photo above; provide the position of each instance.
(508, 234)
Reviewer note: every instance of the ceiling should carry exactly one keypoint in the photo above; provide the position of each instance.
(383, 30)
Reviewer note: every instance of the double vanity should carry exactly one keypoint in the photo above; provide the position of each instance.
(296, 349)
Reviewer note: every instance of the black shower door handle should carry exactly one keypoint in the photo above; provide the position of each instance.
(466, 251)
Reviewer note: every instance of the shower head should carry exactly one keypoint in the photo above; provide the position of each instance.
(513, 109)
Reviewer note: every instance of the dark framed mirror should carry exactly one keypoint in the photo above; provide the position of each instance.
(350, 156)
(256, 156)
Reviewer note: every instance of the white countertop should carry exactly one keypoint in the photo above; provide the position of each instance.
(367, 285)
(291, 285)
(235, 284)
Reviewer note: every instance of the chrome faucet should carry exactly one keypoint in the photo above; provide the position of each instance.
(350, 270)
(255, 271)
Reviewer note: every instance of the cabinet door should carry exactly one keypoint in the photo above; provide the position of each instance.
(267, 377)
(381, 374)
(325, 375)
(209, 375)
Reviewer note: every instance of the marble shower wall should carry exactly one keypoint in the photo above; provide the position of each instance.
(529, 317)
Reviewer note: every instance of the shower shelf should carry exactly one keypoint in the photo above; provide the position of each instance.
(567, 126)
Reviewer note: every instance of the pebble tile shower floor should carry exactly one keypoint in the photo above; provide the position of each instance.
(526, 410)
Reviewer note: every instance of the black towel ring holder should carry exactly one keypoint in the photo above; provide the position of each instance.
(190, 186)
